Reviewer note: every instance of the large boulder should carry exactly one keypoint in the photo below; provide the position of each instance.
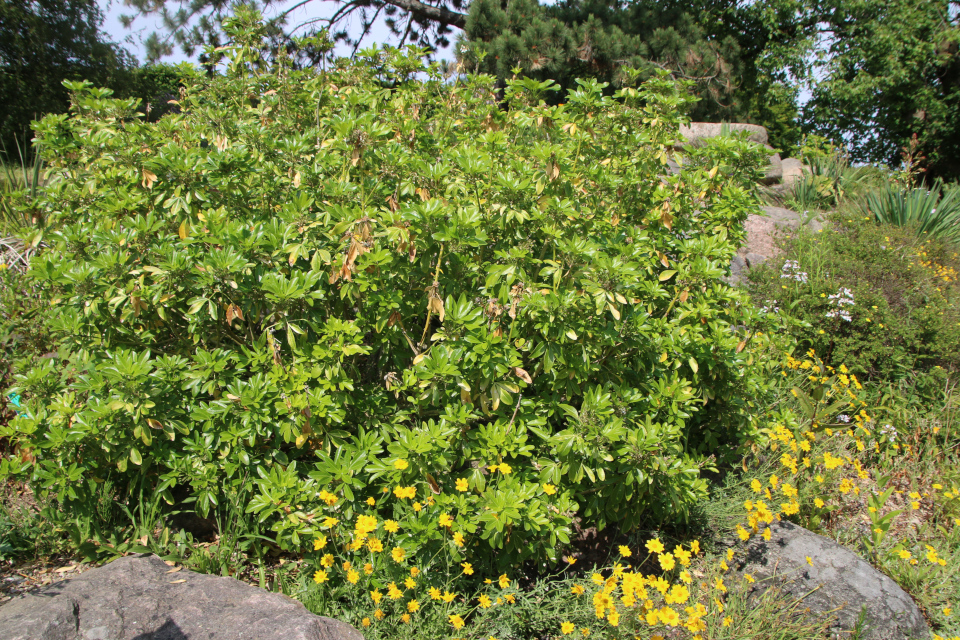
(834, 582)
(793, 170)
(141, 598)
(697, 131)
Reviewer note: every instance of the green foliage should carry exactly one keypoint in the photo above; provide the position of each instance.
(155, 84)
(873, 297)
(334, 283)
(929, 212)
(882, 72)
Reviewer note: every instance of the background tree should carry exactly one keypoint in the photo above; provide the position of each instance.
(42, 43)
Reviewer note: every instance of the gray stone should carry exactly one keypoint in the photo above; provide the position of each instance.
(838, 584)
(737, 266)
(135, 598)
(754, 259)
(793, 170)
(698, 131)
(774, 171)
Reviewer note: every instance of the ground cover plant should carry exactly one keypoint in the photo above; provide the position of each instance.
(308, 285)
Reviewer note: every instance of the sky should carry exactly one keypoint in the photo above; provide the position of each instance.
(132, 39)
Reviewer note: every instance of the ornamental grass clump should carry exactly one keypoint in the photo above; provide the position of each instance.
(308, 285)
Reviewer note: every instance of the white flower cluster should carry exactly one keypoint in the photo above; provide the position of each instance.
(791, 271)
(843, 418)
(841, 299)
(890, 431)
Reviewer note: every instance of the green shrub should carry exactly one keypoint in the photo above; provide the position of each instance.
(313, 287)
(930, 211)
(871, 296)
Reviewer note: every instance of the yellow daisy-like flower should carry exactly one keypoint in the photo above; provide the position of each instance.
(567, 628)
(410, 583)
(376, 596)
(448, 597)
(597, 579)
(767, 533)
(458, 539)
(320, 576)
(819, 503)
(391, 526)
(667, 561)
(503, 581)
(365, 622)
(375, 545)
(379, 614)
(398, 554)
(371, 502)
(405, 618)
(505, 469)
(485, 601)
(456, 621)
(368, 568)
(400, 464)
(353, 577)
(577, 590)
(756, 486)
(462, 484)
(625, 551)
(327, 560)
(654, 546)
(393, 591)
(434, 593)
(414, 572)
(445, 520)
(329, 522)
(467, 568)
(319, 542)
(549, 489)
(417, 507)
(413, 606)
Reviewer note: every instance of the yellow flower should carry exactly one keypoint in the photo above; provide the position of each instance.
(727, 621)
(376, 596)
(467, 568)
(686, 577)
(394, 591)
(405, 618)
(445, 520)
(329, 522)
(368, 568)
(510, 598)
(766, 533)
(398, 554)
(448, 597)
(365, 524)
(391, 526)
(414, 572)
(597, 579)
(400, 464)
(371, 502)
(456, 621)
(458, 539)
(654, 546)
(749, 578)
(577, 590)
(695, 547)
(410, 583)
(809, 561)
(413, 606)
(320, 576)
(947, 611)
(462, 484)
(718, 584)
(567, 628)
(504, 581)
(352, 576)
(365, 622)
(327, 560)
(379, 614)
(505, 469)
(405, 492)
(669, 617)
(756, 486)
(667, 561)
(374, 545)
(613, 618)
(485, 602)
(625, 551)
(549, 489)
(417, 506)
(819, 503)
(319, 542)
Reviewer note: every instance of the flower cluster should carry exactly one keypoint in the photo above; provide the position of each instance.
(843, 298)
(791, 271)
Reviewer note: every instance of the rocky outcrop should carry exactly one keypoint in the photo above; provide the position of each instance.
(761, 243)
(699, 131)
(830, 580)
(141, 598)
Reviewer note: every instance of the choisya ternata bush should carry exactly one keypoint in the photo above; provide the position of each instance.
(307, 277)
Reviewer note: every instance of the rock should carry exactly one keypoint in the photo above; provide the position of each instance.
(793, 170)
(135, 598)
(839, 583)
(754, 259)
(737, 266)
(774, 172)
(697, 131)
